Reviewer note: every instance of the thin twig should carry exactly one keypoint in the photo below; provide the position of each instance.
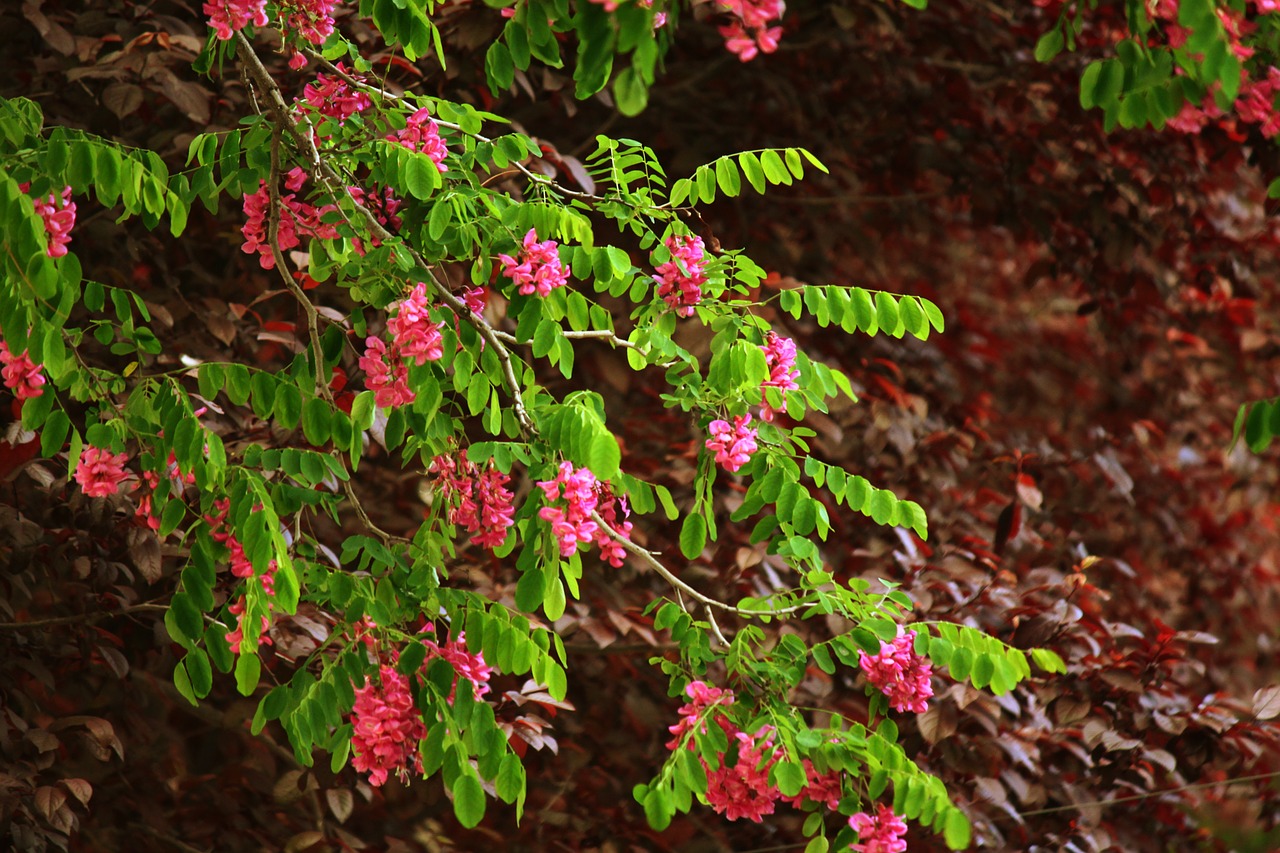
(82, 618)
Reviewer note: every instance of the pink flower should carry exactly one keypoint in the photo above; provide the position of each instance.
(749, 33)
(21, 375)
(386, 374)
(694, 714)
(899, 673)
(333, 97)
(384, 206)
(298, 61)
(743, 790)
(59, 215)
(823, 788)
(225, 16)
(387, 728)
(100, 472)
(733, 445)
(476, 298)
(571, 524)
(413, 334)
(680, 279)
(422, 134)
(297, 219)
(539, 269)
(485, 503)
(780, 356)
(311, 19)
(235, 638)
(880, 834)
(467, 665)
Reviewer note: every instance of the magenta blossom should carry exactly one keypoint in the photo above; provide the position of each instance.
(680, 279)
(880, 834)
(21, 375)
(100, 472)
(732, 445)
(901, 674)
(539, 269)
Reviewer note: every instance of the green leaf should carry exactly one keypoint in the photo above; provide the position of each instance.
(1048, 660)
(1049, 45)
(630, 92)
(421, 177)
(727, 177)
(956, 830)
(248, 670)
(468, 800)
(790, 778)
(316, 418)
(693, 536)
(199, 671)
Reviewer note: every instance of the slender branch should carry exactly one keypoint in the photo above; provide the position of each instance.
(649, 559)
(82, 618)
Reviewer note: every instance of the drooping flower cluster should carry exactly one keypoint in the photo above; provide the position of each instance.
(414, 336)
(484, 502)
(177, 481)
(311, 19)
(572, 523)
(539, 269)
(332, 96)
(467, 665)
(241, 567)
(297, 219)
(422, 134)
(100, 472)
(384, 206)
(780, 356)
(901, 674)
(21, 375)
(823, 788)
(749, 34)
(680, 279)
(59, 214)
(739, 785)
(732, 445)
(387, 728)
(879, 834)
(227, 16)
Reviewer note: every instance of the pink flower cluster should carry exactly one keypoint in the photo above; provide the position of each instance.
(100, 472)
(298, 219)
(422, 134)
(780, 356)
(226, 16)
(59, 215)
(177, 481)
(749, 34)
(311, 19)
(384, 206)
(484, 502)
(539, 269)
(241, 567)
(744, 790)
(332, 96)
(467, 665)
(413, 336)
(680, 279)
(21, 375)
(880, 834)
(572, 523)
(732, 445)
(900, 673)
(387, 728)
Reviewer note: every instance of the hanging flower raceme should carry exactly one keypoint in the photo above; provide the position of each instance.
(310, 19)
(608, 506)
(235, 637)
(484, 502)
(227, 16)
(414, 336)
(59, 214)
(879, 834)
(332, 96)
(242, 567)
(732, 445)
(539, 269)
(467, 665)
(100, 472)
(21, 375)
(696, 713)
(297, 219)
(743, 789)
(680, 279)
(572, 522)
(823, 788)
(901, 674)
(422, 134)
(780, 356)
(750, 34)
(387, 728)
